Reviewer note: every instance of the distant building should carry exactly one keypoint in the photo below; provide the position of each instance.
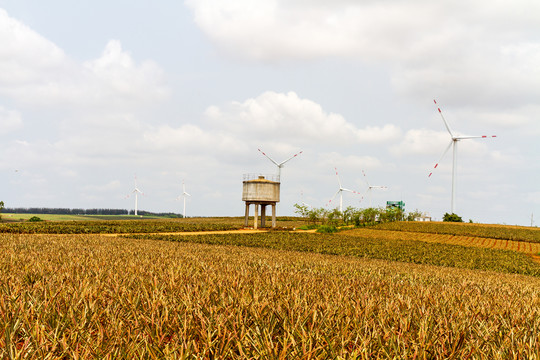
(423, 217)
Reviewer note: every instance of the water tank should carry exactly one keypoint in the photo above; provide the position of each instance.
(260, 189)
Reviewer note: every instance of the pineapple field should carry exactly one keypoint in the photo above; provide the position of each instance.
(360, 293)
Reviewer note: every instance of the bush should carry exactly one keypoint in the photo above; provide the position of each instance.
(452, 218)
(327, 229)
(34, 219)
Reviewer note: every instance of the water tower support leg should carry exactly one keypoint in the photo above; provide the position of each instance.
(273, 215)
(263, 215)
(247, 215)
(256, 216)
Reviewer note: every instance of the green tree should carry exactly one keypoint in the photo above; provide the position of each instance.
(452, 217)
(370, 215)
(348, 215)
(302, 210)
(1, 208)
(391, 214)
(316, 215)
(413, 215)
(334, 217)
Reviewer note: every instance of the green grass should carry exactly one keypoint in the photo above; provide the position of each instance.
(60, 217)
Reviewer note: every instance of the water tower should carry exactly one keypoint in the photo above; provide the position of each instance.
(260, 191)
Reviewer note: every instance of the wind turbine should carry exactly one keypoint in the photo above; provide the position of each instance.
(281, 164)
(184, 194)
(136, 191)
(340, 192)
(453, 142)
(371, 187)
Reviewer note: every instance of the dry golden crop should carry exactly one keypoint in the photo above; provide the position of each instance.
(483, 242)
(503, 232)
(90, 296)
(394, 249)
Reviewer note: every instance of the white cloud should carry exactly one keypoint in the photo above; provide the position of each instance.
(192, 139)
(117, 74)
(334, 159)
(25, 56)
(462, 51)
(10, 120)
(287, 117)
(421, 141)
(34, 70)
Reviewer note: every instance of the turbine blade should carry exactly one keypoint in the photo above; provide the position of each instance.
(333, 197)
(365, 178)
(292, 157)
(474, 137)
(444, 153)
(339, 181)
(269, 158)
(445, 122)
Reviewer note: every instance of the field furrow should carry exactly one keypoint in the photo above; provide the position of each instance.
(465, 240)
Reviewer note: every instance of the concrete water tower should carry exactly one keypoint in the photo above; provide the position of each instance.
(260, 191)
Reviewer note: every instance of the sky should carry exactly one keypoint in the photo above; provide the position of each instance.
(95, 94)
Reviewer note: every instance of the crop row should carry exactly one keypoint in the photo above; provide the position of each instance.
(114, 227)
(412, 251)
(515, 233)
(81, 296)
(520, 246)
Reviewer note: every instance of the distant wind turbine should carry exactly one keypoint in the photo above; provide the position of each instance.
(340, 192)
(184, 194)
(281, 164)
(136, 191)
(453, 142)
(372, 187)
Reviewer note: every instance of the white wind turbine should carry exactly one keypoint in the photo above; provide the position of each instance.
(281, 164)
(340, 192)
(136, 191)
(453, 142)
(371, 187)
(184, 194)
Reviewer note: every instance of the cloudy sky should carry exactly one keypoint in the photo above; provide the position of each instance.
(94, 93)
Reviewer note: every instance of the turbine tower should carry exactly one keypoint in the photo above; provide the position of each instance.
(184, 194)
(453, 142)
(281, 164)
(371, 187)
(340, 192)
(136, 191)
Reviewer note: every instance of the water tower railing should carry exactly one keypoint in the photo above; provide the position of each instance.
(271, 177)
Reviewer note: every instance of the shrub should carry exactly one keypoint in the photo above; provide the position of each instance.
(327, 229)
(452, 217)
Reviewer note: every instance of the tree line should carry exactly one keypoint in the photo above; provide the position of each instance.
(354, 216)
